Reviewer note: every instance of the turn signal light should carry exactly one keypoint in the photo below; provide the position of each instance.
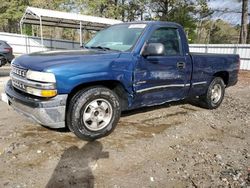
(41, 92)
(48, 93)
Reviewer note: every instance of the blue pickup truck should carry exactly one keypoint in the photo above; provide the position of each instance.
(124, 67)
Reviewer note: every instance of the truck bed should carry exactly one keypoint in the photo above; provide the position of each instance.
(207, 65)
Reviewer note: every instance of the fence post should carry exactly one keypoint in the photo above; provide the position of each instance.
(235, 48)
(206, 48)
(51, 45)
(26, 43)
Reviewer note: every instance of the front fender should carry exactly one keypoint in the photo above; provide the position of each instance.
(66, 85)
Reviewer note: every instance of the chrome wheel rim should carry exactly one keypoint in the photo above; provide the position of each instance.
(216, 93)
(97, 114)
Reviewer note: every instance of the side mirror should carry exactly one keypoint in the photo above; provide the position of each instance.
(153, 49)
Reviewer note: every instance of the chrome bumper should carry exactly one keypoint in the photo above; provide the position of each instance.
(50, 113)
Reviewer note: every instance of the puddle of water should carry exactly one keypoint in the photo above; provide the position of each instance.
(130, 131)
(34, 162)
(149, 131)
(164, 117)
(49, 134)
(138, 131)
(188, 108)
(33, 131)
(70, 139)
(32, 128)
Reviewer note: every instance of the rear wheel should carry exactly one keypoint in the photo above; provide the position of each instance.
(93, 113)
(3, 61)
(215, 94)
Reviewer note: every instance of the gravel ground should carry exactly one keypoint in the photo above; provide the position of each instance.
(174, 145)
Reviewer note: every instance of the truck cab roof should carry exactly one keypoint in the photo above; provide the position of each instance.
(170, 24)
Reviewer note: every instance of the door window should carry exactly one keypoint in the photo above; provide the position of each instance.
(169, 37)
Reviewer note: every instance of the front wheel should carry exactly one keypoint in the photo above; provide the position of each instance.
(215, 94)
(93, 113)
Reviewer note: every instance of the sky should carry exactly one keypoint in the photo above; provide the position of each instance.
(229, 5)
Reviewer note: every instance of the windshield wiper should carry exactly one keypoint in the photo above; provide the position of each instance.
(99, 47)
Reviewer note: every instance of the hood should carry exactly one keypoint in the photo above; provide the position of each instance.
(41, 61)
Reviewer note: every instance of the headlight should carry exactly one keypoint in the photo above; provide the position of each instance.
(48, 78)
(41, 76)
(41, 92)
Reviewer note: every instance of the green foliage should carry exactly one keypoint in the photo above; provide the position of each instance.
(192, 15)
(10, 13)
(182, 15)
(48, 4)
(223, 33)
(27, 30)
(126, 10)
(180, 11)
(218, 32)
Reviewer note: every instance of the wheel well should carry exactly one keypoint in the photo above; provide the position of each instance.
(4, 58)
(1, 55)
(113, 85)
(224, 75)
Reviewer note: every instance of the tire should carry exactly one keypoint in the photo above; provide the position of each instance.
(3, 61)
(215, 94)
(93, 113)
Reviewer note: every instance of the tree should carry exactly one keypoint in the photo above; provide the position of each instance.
(102, 8)
(133, 10)
(48, 4)
(248, 34)
(223, 33)
(203, 15)
(162, 8)
(125, 10)
(218, 32)
(193, 15)
(184, 12)
(244, 22)
(10, 14)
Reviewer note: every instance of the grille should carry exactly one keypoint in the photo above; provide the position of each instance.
(19, 71)
(18, 85)
(21, 83)
(16, 74)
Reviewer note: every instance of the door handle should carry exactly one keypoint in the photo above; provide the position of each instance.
(181, 65)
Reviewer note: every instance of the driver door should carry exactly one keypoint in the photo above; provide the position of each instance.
(162, 78)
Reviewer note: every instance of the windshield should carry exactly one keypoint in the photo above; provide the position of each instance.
(117, 37)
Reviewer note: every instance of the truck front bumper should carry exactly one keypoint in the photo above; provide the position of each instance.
(50, 112)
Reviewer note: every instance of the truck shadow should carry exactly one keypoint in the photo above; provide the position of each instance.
(194, 103)
(75, 166)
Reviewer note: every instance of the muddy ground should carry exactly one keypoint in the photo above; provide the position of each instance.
(176, 145)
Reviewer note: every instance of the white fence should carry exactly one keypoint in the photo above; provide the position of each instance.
(242, 49)
(22, 44)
